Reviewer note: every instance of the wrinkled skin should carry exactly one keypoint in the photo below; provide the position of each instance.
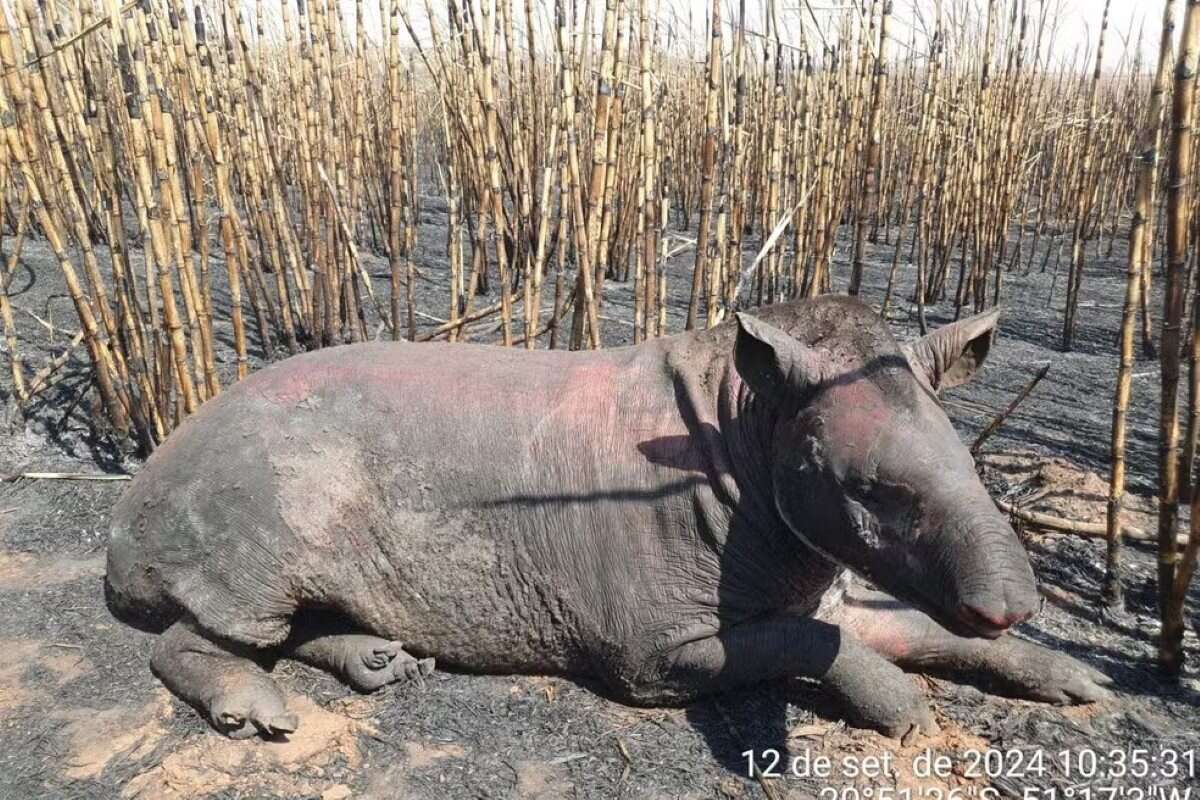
(671, 519)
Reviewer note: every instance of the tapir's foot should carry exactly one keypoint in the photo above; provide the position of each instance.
(222, 681)
(363, 661)
(878, 694)
(1022, 669)
(367, 663)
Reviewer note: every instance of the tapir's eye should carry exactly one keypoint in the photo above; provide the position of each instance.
(882, 492)
(888, 499)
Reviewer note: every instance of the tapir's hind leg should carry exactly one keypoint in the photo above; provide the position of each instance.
(1007, 665)
(363, 661)
(221, 679)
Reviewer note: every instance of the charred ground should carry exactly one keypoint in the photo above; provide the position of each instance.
(81, 716)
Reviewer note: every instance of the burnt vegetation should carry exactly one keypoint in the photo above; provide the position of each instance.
(224, 184)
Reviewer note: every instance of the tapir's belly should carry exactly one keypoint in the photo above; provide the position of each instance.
(467, 594)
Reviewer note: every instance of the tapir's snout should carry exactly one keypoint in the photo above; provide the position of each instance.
(990, 616)
(990, 580)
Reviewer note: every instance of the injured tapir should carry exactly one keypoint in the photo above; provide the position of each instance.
(670, 519)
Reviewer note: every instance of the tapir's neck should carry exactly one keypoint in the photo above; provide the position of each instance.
(763, 565)
(731, 430)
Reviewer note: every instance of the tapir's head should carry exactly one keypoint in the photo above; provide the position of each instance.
(868, 470)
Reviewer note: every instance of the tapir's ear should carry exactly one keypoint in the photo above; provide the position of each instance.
(770, 361)
(951, 355)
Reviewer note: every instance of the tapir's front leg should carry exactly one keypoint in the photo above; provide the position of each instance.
(877, 693)
(1007, 665)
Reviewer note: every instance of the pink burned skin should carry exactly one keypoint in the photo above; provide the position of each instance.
(868, 417)
(686, 516)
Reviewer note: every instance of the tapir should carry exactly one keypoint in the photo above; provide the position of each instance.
(779, 496)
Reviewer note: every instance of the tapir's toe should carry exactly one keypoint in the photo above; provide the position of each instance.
(380, 655)
(409, 668)
(235, 727)
(920, 722)
(1077, 683)
(251, 707)
(283, 723)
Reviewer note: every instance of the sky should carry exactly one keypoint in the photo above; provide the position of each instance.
(1082, 20)
(1078, 21)
(1080, 24)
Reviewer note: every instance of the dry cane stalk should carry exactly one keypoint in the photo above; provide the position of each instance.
(396, 176)
(1174, 575)
(306, 146)
(493, 197)
(870, 180)
(139, 108)
(533, 297)
(23, 149)
(10, 328)
(586, 296)
(707, 163)
(1000, 418)
(1086, 197)
(587, 310)
(1140, 230)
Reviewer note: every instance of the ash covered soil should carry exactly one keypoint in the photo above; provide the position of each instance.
(81, 715)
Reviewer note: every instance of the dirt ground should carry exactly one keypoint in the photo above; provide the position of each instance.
(81, 715)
